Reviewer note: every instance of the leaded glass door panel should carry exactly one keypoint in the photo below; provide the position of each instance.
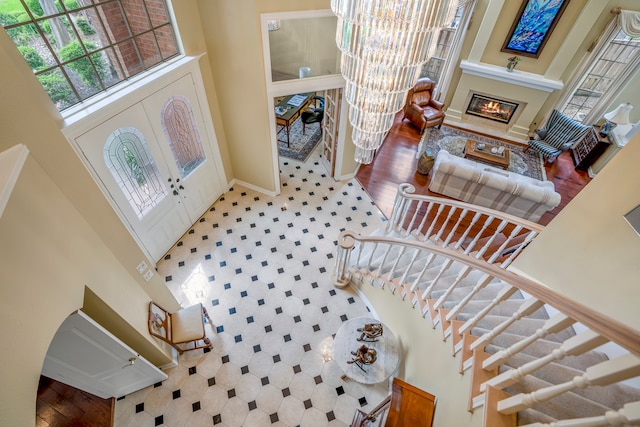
(185, 143)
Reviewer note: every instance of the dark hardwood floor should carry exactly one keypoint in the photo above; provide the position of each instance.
(396, 163)
(58, 404)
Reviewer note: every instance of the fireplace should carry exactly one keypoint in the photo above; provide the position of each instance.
(495, 109)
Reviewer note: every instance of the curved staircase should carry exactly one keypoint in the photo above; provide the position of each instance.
(535, 357)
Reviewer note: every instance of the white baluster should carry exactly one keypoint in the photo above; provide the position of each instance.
(452, 210)
(516, 230)
(519, 249)
(489, 242)
(576, 345)
(527, 307)
(480, 284)
(462, 238)
(471, 245)
(629, 415)
(464, 272)
(417, 231)
(445, 266)
(427, 265)
(556, 324)
(427, 235)
(408, 270)
(414, 217)
(462, 215)
(605, 373)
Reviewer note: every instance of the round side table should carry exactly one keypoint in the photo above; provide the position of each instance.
(386, 350)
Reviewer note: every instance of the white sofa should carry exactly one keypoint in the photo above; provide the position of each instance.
(490, 187)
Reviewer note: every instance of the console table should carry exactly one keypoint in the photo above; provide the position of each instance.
(386, 348)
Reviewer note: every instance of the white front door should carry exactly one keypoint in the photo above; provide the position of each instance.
(154, 212)
(179, 126)
(155, 163)
(86, 356)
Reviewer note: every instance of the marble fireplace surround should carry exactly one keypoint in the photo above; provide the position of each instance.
(529, 90)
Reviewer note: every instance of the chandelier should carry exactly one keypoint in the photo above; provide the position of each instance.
(273, 24)
(384, 44)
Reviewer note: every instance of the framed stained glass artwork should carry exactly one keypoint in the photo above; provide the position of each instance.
(533, 25)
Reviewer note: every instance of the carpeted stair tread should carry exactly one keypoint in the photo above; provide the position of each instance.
(596, 398)
(523, 327)
(505, 308)
(406, 257)
(530, 416)
(466, 285)
(553, 373)
(567, 405)
(540, 348)
(445, 281)
(577, 363)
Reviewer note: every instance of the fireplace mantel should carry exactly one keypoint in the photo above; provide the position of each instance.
(516, 77)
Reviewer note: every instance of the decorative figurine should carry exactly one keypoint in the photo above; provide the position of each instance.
(370, 332)
(363, 356)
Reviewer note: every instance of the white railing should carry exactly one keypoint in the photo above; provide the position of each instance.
(486, 233)
(437, 274)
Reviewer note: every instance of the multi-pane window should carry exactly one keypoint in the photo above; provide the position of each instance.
(127, 156)
(434, 66)
(180, 127)
(78, 48)
(616, 56)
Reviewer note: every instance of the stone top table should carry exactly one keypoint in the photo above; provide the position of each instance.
(386, 348)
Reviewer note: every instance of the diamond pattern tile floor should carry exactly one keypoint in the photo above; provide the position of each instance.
(261, 265)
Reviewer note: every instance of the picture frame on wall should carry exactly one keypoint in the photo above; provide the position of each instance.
(533, 25)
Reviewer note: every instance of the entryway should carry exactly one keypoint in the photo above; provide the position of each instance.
(316, 123)
(156, 160)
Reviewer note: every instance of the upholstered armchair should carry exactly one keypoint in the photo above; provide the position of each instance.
(421, 109)
(558, 135)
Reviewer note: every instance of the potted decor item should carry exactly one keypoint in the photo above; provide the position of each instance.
(513, 61)
(426, 161)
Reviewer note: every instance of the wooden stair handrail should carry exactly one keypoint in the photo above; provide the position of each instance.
(612, 329)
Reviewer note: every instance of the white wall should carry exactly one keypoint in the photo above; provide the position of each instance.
(589, 252)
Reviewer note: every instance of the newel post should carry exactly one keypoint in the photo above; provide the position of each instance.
(341, 275)
(399, 205)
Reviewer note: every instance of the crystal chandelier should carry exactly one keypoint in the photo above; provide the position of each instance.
(384, 44)
(273, 24)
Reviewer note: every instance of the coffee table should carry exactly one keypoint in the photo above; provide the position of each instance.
(484, 155)
(291, 107)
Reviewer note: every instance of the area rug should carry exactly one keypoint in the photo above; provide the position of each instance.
(301, 146)
(453, 140)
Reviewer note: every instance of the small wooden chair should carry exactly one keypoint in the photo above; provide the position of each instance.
(183, 330)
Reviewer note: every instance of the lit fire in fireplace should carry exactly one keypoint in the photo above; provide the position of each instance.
(492, 109)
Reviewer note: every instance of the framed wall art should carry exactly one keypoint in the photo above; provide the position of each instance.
(535, 21)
